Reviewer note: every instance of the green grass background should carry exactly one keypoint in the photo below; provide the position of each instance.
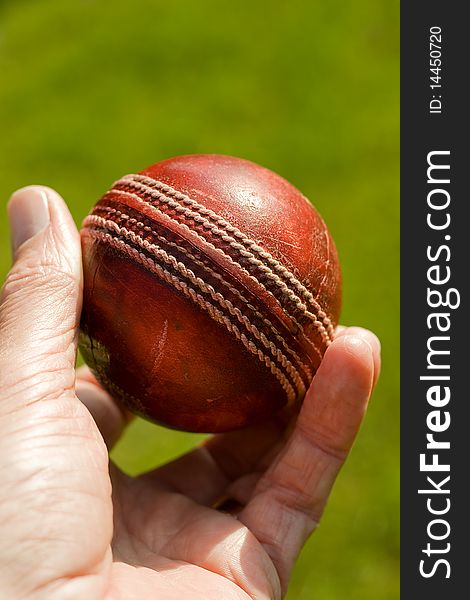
(91, 90)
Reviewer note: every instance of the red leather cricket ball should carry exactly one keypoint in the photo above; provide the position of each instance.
(212, 290)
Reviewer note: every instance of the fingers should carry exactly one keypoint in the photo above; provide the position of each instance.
(230, 464)
(289, 498)
(370, 338)
(40, 309)
(110, 418)
(41, 298)
(53, 461)
(204, 473)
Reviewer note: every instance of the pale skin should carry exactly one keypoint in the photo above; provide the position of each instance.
(72, 526)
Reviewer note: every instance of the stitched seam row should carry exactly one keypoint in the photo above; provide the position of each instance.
(200, 215)
(250, 244)
(191, 293)
(223, 254)
(247, 250)
(139, 224)
(159, 254)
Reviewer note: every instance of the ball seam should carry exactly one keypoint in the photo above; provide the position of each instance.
(247, 248)
(119, 215)
(189, 292)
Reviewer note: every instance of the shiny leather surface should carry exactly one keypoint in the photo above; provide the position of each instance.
(155, 348)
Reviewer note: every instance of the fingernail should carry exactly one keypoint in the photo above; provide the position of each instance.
(28, 213)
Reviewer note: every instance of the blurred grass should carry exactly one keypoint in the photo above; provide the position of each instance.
(92, 90)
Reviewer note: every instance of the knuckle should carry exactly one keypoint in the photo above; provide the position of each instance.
(37, 277)
(323, 440)
(298, 502)
(35, 384)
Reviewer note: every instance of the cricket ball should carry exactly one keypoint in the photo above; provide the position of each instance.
(211, 292)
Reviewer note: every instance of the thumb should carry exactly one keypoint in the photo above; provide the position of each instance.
(55, 496)
(41, 299)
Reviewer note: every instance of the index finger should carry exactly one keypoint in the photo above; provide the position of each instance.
(290, 497)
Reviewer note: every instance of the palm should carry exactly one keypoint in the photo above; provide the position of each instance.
(164, 523)
(173, 547)
(170, 542)
(158, 535)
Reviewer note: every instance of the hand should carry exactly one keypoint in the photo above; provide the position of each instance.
(58, 495)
